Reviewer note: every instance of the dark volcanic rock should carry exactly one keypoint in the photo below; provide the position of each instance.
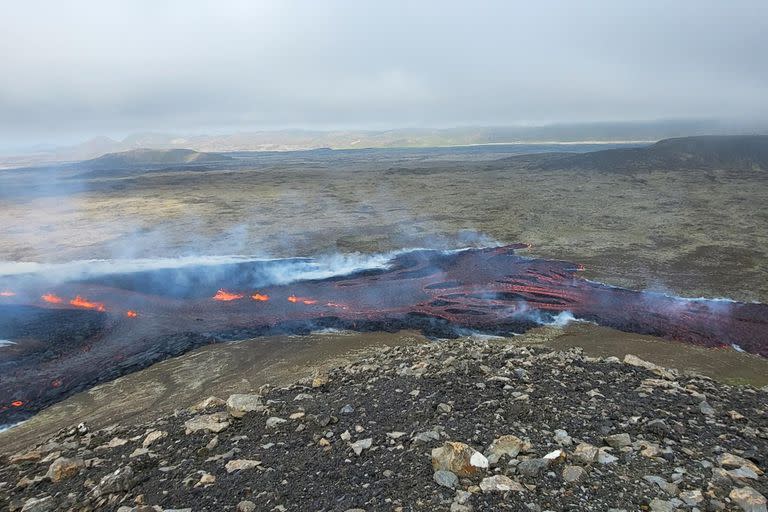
(378, 456)
(722, 152)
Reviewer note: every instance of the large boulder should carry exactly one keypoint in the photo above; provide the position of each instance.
(458, 458)
(507, 445)
(749, 499)
(63, 468)
(215, 422)
(240, 404)
(121, 480)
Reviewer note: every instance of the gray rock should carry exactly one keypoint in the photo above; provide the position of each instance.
(692, 498)
(274, 422)
(573, 474)
(121, 480)
(532, 467)
(748, 499)
(347, 409)
(585, 453)
(360, 445)
(63, 468)
(239, 405)
(446, 478)
(604, 457)
(706, 409)
(657, 427)
(426, 437)
(508, 445)
(45, 504)
(500, 483)
(665, 486)
(458, 458)
(241, 465)
(246, 506)
(658, 505)
(618, 440)
(154, 436)
(562, 438)
(215, 422)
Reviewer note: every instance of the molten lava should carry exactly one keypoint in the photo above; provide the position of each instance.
(491, 290)
(7, 293)
(17, 403)
(225, 296)
(294, 299)
(51, 298)
(131, 314)
(80, 302)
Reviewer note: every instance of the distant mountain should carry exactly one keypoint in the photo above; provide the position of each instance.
(732, 152)
(151, 157)
(295, 140)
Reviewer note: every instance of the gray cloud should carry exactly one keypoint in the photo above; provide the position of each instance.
(78, 68)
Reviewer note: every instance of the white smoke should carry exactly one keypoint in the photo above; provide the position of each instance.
(279, 271)
(294, 269)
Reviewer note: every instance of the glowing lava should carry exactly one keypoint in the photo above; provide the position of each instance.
(80, 302)
(225, 296)
(131, 314)
(261, 297)
(7, 293)
(51, 298)
(294, 299)
(17, 403)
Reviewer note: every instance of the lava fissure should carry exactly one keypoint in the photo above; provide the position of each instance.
(82, 333)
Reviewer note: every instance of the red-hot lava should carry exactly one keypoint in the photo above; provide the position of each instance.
(80, 302)
(225, 296)
(301, 300)
(51, 298)
(489, 290)
(131, 314)
(7, 293)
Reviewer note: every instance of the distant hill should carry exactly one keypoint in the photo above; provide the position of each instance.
(151, 157)
(733, 152)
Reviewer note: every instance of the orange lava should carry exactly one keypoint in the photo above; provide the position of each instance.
(260, 297)
(131, 314)
(80, 302)
(296, 300)
(7, 293)
(225, 296)
(51, 298)
(17, 403)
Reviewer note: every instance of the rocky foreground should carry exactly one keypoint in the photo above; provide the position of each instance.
(455, 426)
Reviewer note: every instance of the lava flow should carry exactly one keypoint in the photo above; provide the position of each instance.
(80, 302)
(225, 296)
(301, 300)
(51, 298)
(492, 290)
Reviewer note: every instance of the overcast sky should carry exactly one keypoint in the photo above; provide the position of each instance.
(76, 69)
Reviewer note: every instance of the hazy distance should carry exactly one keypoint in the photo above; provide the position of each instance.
(74, 70)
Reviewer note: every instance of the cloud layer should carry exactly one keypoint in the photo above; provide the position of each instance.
(81, 68)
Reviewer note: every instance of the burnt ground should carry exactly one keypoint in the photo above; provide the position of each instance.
(691, 441)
